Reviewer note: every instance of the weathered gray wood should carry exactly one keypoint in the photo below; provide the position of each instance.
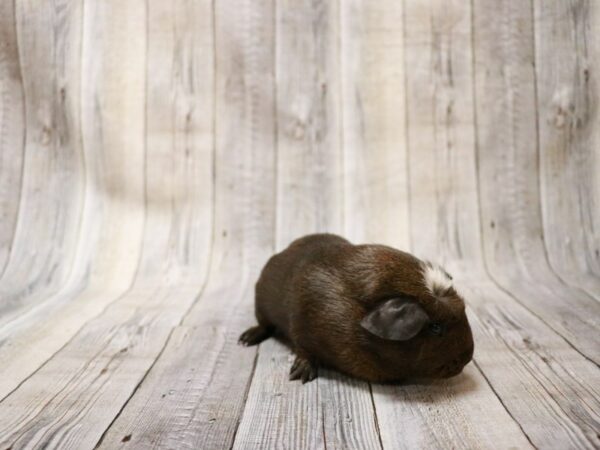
(443, 170)
(44, 240)
(198, 385)
(280, 413)
(166, 149)
(12, 130)
(328, 412)
(566, 63)
(44, 248)
(374, 122)
(440, 104)
(109, 239)
(438, 52)
(105, 361)
(332, 411)
(309, 170)
(527, 364)
(509, 179)
(405, 412)
(514, 249)
(455, 413)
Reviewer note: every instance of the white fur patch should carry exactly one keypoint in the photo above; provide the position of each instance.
(436, 279)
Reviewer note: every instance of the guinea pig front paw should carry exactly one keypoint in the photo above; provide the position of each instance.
(303, 369)
(254, 335)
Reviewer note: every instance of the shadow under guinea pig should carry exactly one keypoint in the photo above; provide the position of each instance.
(421, 390)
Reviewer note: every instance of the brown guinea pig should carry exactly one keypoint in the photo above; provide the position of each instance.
(369, 311)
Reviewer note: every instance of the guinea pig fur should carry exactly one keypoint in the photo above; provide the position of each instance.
(370, 311)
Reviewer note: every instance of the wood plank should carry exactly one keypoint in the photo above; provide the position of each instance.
(374, 122)
(458, 412)
(566, 64)
(179, 129)
(109, 240)
(280, 413)
(194, 395)
(12, 130)
(332, 411)
(102, 365)
(445, 413)
(509, 179)
(71, 400)
(45, 237)
(445, 172)
(565, 403)
(142, 319)
(440, 130)
(527, 364)
(308, 118)
(161, 172)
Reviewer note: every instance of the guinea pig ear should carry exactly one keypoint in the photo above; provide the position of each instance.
(397, 319)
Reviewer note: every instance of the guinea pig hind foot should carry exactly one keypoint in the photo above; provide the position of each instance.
(303, 369)
(254, 335)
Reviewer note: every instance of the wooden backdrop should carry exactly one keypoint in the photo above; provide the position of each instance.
(153, 154)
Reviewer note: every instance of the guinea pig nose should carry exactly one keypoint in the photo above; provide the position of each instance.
(466, 356)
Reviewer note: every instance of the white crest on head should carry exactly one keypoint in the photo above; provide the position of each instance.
(436, 279)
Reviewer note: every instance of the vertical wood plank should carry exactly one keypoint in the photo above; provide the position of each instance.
(114, 60)
(179, 110)
(492, 311)
(443, 205)
(332, 410)
(376, 205)
(103, 267)
(197, 387)
(509, 177)
(440, 130)
(513, 242)
(309, 118)
(566, 63)
(12, 130)
(279, 412)
(104, 139)
(44, 240)
(374, 122)
(104, 363)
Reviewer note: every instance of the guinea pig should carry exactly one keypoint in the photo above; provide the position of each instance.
(370, 311)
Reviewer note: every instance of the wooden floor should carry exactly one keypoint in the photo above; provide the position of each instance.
(154, 154)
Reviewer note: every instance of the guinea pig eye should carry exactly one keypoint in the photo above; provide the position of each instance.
(435, 328)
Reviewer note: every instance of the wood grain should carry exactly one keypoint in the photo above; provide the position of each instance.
(154, 154)
(12, 130)
(566, 64)
(443, 205)
(106, 257)
(457, 412)
(325, 413)
(450, 155)
(374, 122)
(527, 364)
(85, 357)
(197, 402)
(45, 243)
(49, 200)
(509, 179)
(309, 169)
